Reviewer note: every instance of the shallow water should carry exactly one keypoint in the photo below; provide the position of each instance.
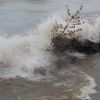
(21, 57)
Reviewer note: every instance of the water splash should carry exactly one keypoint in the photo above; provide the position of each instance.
(19, 55)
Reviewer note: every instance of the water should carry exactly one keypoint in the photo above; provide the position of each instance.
(27, 65)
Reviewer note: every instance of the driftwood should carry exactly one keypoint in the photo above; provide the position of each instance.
(61, 43)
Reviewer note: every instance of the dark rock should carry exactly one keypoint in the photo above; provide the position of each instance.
(87, 47)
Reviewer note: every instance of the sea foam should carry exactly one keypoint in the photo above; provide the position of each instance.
(20, 55)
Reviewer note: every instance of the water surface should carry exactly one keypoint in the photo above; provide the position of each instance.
(19, 56)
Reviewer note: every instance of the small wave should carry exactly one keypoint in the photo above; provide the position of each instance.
(87, 89)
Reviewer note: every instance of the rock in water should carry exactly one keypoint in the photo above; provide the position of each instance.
(64, 44)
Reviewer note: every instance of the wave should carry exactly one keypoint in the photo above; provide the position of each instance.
(87, 88)
(20, 55)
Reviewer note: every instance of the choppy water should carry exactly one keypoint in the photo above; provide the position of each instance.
(27, 67)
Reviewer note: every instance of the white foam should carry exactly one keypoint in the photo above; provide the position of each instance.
(87, 89)
(19, 55)
(78, 55)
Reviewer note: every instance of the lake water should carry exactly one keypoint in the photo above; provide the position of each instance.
(27, 69)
